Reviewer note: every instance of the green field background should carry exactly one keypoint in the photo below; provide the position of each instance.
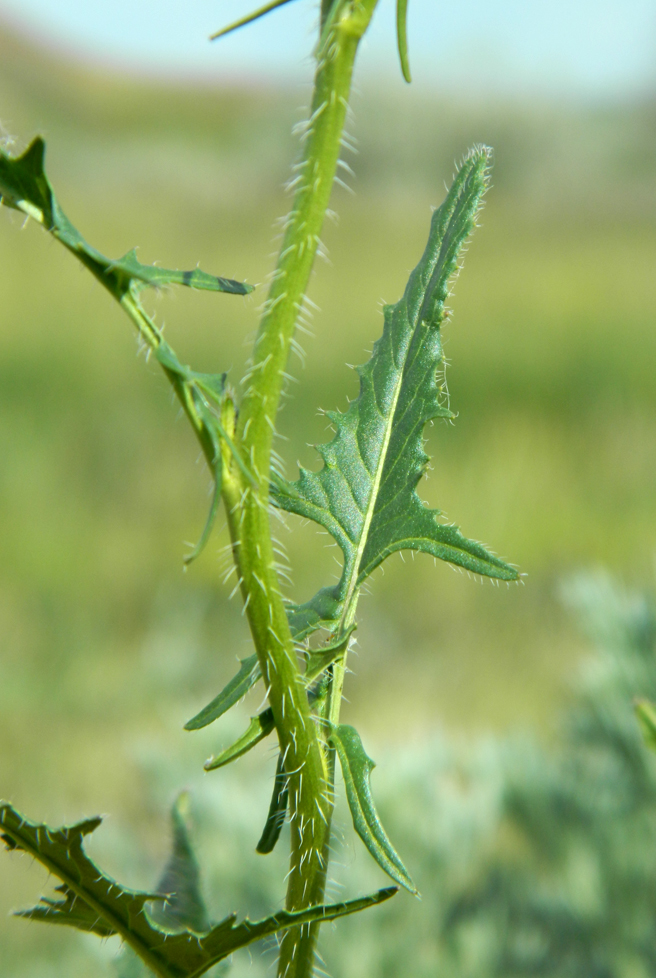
(106, 646)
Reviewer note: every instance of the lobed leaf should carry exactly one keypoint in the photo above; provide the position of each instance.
(94, 901)
(24, 186)
(365, 493)
(356, 768)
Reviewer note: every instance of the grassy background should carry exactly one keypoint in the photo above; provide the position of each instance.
(107, 648)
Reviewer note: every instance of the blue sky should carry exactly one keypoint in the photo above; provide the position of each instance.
(553, 48)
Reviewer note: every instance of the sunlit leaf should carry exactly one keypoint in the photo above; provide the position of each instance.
(25, 187)
(365, 493)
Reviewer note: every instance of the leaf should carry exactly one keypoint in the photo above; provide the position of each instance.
(259, 728)
(318, 660)
(402, 37)
(180, 881)
(249, 673)
(321, 611)
(364, 494)
(180, 884)
(25, 187)
(356, 768)
(277, 811)
(249, 18)
(185, 954)
(239, 685)
(646, 713)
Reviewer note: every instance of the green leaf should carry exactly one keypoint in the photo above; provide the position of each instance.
(646, 713)
(180, 882)
(321, 611)
(402, 37)
(249, 18)
(249, 673)
(239, 685)
(277, 811)
(259, 728)
(25, 187)
(318, 660)
(356, 768)
(364, 494)
(115, 910)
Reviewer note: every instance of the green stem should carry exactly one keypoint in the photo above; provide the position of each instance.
(307, 766)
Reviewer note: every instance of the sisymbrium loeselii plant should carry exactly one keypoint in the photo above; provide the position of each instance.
(364, 495)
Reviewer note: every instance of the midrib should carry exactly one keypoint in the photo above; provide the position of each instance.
(372, 502)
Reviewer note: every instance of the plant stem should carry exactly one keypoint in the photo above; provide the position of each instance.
(308, 768)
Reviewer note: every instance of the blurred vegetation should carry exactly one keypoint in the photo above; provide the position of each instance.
(107, 647)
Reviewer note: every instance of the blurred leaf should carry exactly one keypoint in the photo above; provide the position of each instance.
(183, 907)
(356, 768)
(25, 187)
(259, 728)
(249, 18)
(239, 685)
(402, 37)
(365, 493)
(184, 954)
(277, 811)
(180, 881)
(646, 713)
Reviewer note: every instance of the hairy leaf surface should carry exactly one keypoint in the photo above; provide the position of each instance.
(356, 768)
(113, 909)
(364, 494)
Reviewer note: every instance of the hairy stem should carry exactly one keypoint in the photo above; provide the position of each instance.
(306, 765)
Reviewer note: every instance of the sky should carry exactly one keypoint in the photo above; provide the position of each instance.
(576, 49)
